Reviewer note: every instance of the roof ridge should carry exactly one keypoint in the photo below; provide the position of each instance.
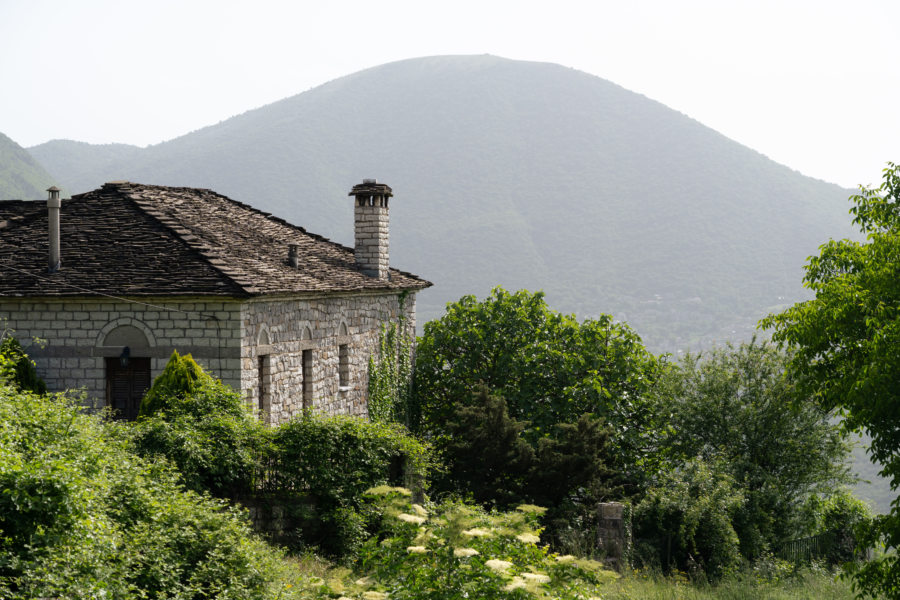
(217, 262)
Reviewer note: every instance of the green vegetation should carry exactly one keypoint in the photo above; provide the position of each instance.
(561, 416)
(549, 368)
(21, 177)
(720, 458)
(16, 369)
(315, 466)
(390, 376)
(452, 550)
(845, 345)
(737, 410)
(83, 517)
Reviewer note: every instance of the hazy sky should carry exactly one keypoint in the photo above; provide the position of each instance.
(813, 85)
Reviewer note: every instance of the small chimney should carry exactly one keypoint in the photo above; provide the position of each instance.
(294, 255)
(53, 205)
(372, 227)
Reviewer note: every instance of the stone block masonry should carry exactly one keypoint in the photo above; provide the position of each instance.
(283, 354)
(282, 332)
(70, 339)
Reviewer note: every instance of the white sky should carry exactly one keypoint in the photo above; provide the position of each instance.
(814, 85)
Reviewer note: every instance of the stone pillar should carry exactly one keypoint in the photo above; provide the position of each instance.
(372, 227)
(611, 535)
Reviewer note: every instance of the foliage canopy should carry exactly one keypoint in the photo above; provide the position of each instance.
(549, 368)
(738, 408)
(846, 341)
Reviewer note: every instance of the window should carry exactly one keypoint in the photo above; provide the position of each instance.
(264, 402)
(126, 383)
(343, 366)
(307, 379)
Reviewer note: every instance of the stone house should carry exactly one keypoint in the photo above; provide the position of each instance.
(113, 280)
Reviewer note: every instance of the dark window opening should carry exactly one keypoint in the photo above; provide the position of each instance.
(126, 385)
(307, 379)
(343, 366)
(264, 378)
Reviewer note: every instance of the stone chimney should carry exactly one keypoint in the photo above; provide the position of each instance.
(372, 227)
(294, 255)
(53, 205)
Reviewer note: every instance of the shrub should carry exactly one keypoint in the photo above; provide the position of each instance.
(685, 521)
(453, 550)
(181, 378)
(17, 369)
(501, 462)
(204, 427)
(82, 517)
(331, 461)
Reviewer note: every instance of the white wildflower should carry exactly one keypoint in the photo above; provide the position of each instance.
(374, 595)
(536, 577)
(498, 565)
(477, 532)
(464, 552)
(565, 558)
(416, 549)
(419, 510)
(408, 518)
(386, 490)
(528, 538)
(516, 583)
(364, 581)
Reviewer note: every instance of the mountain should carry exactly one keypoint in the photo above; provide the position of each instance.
(21, 177)
(529, 175)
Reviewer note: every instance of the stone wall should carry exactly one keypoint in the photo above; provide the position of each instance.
(244, 343)
(78, 334)
(276, 335)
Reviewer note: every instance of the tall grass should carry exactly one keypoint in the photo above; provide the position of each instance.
(804, 585)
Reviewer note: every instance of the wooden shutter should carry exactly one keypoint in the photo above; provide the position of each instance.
(126, 385)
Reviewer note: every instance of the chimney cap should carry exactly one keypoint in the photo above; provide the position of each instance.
(369, 187)
(52, 188)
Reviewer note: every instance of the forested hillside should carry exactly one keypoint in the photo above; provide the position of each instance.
(21, 177)
(528, 175)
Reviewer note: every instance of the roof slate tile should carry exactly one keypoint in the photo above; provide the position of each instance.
(144, 240)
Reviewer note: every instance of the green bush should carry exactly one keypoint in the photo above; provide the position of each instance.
(684, 522)
(451, 550)
(204, 427)
(737, 406)
(840, 517)
(331, 461)
(83, 517)
(181, 378)
(17, 369)
(487, 454)
(337, 458)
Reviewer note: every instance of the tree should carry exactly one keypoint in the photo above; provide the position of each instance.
(738, 408)
(546, 366)
(846, 344)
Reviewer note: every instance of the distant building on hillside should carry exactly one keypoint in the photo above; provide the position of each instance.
(115, 279)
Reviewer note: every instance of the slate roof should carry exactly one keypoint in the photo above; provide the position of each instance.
(128, 239)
